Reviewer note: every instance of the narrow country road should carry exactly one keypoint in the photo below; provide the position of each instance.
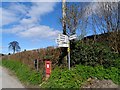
(7, 80)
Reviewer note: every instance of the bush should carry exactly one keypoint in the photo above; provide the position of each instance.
(22, 71)
(77, 76)
(92, 54)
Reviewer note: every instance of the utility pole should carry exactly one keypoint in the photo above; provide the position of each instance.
(64, 16)
(64, 49)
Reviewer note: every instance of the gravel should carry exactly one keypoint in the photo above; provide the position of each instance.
(95, 83)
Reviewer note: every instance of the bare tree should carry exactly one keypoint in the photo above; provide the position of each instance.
(106, 19)
(75, 19)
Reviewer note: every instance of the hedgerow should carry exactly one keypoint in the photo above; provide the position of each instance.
(93, 54)
(28, 57)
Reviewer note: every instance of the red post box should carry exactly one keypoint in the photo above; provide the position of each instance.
(48, 68)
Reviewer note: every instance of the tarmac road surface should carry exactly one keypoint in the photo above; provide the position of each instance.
(7, 80)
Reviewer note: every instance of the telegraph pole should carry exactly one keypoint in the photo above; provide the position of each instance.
(64, 16)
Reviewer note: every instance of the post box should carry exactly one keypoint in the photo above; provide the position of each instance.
(48, 68)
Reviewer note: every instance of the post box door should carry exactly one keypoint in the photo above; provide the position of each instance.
(48, 67)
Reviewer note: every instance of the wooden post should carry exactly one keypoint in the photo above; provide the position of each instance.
(37, 64)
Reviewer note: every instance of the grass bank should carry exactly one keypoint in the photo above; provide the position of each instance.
(24, 73)
(74, 78)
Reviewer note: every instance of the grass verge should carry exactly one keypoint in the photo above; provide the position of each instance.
(24, 73)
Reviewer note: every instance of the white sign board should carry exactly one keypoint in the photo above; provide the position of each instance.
(63, 45)
(73, 37)
(62, 40)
